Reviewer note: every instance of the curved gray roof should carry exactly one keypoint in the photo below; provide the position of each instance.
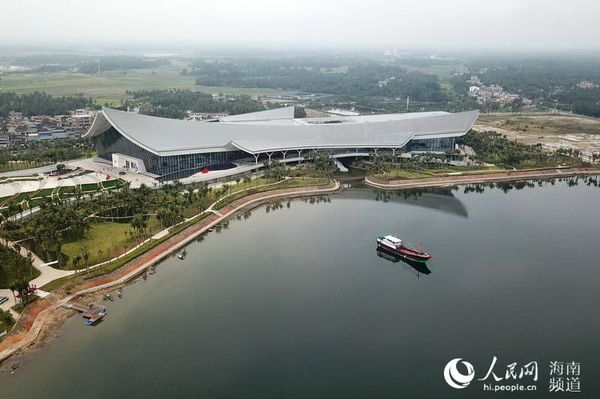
(270, 114)
(165, 137)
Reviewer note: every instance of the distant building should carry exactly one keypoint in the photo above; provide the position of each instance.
(57, 134)
(15, 116)
(584, 84)
(82, 119)
(4, 140)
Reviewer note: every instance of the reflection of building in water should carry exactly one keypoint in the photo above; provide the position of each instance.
(441, 199)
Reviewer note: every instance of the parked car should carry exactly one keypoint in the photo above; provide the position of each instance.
(122, 173)
(3, 299)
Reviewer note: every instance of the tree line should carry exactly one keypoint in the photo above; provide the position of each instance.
(39, 103)
(174, 103)
(361, 78)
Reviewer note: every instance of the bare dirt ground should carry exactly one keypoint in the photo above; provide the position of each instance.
(552, 131)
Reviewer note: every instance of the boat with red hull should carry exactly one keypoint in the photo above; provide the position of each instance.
(396, 246)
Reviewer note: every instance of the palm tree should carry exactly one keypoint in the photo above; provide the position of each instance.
(139, 224)
(85, 254)
(13, 288)
(76, 260)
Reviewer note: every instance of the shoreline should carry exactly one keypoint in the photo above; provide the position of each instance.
(48, 317)
(449, 181)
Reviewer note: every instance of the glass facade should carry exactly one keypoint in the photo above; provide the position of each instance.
(438, 144)
(168, 167)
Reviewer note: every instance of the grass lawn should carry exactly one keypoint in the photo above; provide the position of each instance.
(110, 184)
(105, 241)
(89, 187)
(432, 172)
(402, 173)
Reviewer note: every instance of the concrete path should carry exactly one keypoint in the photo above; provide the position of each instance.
(11, 300)
(29, 172)
(105, 168)
(47, 274)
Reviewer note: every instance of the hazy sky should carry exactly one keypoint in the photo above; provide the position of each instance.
(439, 24)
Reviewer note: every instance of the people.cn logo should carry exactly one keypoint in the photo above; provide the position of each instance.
(455, 378)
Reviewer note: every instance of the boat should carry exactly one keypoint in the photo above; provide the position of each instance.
(181, 256)
(398, 247)
(94, 314)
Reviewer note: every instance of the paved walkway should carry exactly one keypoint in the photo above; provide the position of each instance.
(47, 274)
(29, 172)
(106, 168)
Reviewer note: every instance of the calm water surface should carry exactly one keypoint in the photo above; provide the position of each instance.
(297, 303)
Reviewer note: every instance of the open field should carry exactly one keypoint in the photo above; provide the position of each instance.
(105, 241)
(110, 87)
(552, 131)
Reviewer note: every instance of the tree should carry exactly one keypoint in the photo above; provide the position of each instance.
(85, 254)
(22, 288)
(321, 161)
(6, 317)
(76, 261)
(139, 224)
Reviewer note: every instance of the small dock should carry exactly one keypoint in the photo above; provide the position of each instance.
(92, 313)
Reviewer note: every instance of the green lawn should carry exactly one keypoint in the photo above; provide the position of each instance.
(432, 172)
(89, 187)
(105, 241)
(407, 174)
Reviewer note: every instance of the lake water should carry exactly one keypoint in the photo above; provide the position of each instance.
(297, 303)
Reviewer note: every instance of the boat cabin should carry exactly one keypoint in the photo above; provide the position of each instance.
(394, 240)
